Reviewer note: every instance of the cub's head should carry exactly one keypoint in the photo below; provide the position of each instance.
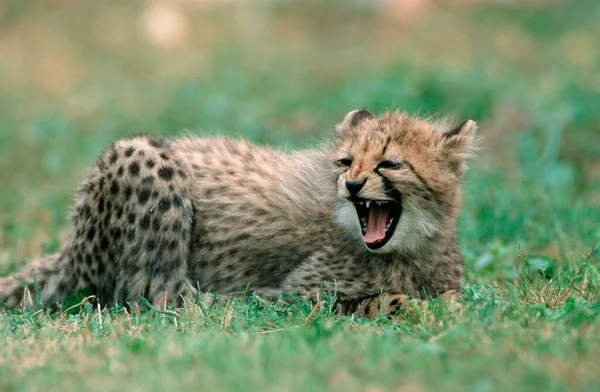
(399, 177)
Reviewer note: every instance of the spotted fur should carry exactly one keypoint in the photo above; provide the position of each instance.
(158, 219)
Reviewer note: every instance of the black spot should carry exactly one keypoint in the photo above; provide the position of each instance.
(177, 201)
(164, 205)
(141, 153)
(157, 272)
(131, 218)
(115, 233)
(101, 268)
(131, 234)
(182, 174)
(120, 171)
(150, 163)
(79, 259)
(101, 164)
(154, 194)
(109, 176)
(150, 245)
(103, 243)
(149, 180)
(128, 192)
(156, 142)
(129, 152)
(86, 275)
(176, 262)
(176, 226)
(119, 212)
(114, 187)
(164, 156)
(101, 204)
(145, 222)
(173, 244)
(62, 287)
(166, 173)
(134, 169)
(171, 187)
(101, 183)
(143, 196)
(106, 220)
(113, 156)
(87, 211)
(89, 260)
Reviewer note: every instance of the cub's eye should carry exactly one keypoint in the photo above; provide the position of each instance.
(389, 165)
(345, 162)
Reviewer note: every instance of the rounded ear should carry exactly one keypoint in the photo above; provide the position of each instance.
(459, 144)
(354, 118)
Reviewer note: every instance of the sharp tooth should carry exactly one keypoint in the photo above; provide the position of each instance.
(368, 203)
(378, 203)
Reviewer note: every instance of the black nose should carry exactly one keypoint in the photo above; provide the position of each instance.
(355, 186)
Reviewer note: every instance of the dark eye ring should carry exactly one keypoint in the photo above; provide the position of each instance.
(389, 165)
(346, 162)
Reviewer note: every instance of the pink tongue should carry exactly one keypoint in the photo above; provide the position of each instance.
(378, 218)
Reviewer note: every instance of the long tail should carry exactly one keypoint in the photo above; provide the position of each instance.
(30, 285)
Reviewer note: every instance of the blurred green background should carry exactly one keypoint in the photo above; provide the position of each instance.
(75, 75)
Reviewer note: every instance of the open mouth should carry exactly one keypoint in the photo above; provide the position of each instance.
(378, 220)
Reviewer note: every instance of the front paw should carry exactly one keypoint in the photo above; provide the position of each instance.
(392, 304)
(372, 307)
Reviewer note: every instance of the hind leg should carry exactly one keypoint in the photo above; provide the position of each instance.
(24, 288)
(133, 223)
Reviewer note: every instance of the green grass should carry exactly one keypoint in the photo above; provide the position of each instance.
(73, 78)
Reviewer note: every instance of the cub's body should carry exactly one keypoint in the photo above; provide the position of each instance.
(267, 221)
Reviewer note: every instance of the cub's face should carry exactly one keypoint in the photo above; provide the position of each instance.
(398, 177)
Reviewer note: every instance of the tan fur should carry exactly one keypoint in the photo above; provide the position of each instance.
(159, 219)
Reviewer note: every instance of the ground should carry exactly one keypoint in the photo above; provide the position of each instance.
(76, 75)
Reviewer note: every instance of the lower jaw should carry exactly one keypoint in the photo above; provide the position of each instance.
(377, 245)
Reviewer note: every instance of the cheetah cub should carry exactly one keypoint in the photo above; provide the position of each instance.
(371, 215)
